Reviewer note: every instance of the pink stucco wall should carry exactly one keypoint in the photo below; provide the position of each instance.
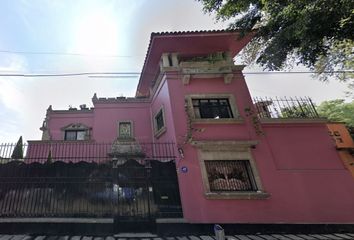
(107, 116)
(298, 165)
(163, 100)
(297, 162)
(58, 120)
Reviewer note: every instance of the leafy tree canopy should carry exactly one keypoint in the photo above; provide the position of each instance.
(316, 33)
(338, 110)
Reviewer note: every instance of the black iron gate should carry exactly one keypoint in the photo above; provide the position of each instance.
(85, 180)
(145, 190)
(132, 199)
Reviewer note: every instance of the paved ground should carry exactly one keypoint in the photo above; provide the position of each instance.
(148, 236)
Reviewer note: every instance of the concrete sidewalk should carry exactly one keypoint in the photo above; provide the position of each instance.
(149, 236)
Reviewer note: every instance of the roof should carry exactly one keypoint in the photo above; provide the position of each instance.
(192, 42)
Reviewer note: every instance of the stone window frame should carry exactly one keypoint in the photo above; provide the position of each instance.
(230, 151)
(76, 127)
(159, 132)
(131, 129)
(231, 98)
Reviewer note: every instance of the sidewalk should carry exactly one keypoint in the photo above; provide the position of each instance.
(149, 236)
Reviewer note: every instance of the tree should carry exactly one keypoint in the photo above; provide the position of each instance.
(316, 33)
(18, 150)
(338, 111)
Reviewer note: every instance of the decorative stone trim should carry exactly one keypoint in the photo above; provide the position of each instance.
(228, 78)
(75, 126)
(159, 132)
(238, 120)
(225, 145)
(131, 129)
(186, 78)
(293, 120)
(75, 111)
(229, 151)
(240, 195)
(236, 117)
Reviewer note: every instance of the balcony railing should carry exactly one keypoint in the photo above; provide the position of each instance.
(285, 107)
(51, 151)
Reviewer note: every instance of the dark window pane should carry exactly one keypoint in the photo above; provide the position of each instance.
(159, 120)
(212, 108)
(70, 135)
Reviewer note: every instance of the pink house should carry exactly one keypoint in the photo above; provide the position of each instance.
(236, 160)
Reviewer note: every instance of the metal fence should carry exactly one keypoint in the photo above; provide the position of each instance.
(86, 179)
(296, 107)
(51, 151)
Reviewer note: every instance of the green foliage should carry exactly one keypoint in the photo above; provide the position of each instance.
(49, 157)
(18, 150)
(316, 33)
(211, 58)
(298, 111)
(338, 111)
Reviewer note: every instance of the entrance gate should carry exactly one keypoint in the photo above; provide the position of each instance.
(145, 191)
(128, 190)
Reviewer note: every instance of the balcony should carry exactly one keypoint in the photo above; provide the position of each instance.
(294, 109)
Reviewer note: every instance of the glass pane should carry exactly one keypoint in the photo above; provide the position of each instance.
(70, 135)
(80, 135)
(159, 120)
(224, 101)
(212, 108)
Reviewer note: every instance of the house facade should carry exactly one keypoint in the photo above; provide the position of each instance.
(236, 160)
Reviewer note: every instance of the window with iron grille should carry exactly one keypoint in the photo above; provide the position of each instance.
(230, 175)
(212, 108)
(71, 135)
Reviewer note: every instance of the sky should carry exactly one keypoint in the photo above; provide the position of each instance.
(66, 36)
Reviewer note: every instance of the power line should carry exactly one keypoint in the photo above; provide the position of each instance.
(133, 74)
(98, 76)
(65, 74)
(68, 54)
(298, 72)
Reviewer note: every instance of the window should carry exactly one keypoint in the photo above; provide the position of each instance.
(76, 131)
(159, 123)
(212, 108)
(71, 135)
(228, 170)
(125, 129)
(230, 175)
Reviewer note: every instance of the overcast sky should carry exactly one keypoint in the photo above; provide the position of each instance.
(98, 36)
